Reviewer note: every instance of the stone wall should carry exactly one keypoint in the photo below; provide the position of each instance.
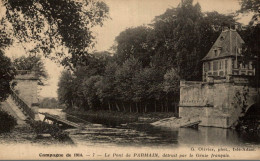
(26, 87)
(27, 90)
(216, 104)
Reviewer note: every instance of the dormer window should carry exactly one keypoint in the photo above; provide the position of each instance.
(216, 52)
(219, 51)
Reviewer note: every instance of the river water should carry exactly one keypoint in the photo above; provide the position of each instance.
(116, 134)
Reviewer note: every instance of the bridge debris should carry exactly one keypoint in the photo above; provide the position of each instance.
(58, 120)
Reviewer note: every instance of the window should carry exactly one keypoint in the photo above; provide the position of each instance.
(205, 67)
(242, 65)
(226, 64)
(250, 65)
(219, 51)
(220, 64)
(235, 64)
(209, 63)
(215, 65)
(216, 52)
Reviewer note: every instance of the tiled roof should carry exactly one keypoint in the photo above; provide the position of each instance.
(228, 41)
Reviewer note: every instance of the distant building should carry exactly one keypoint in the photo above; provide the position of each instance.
(224, 58)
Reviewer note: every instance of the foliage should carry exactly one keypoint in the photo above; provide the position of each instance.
(144, 73)
(5, 37)
(251, 6)
(171, 82)
(106, 91)
(133, 43)
(124, 78)
(65, 88)
(90, 90)
(7, 73)
(7, 122)
(32, 63)
(251, 49)
(49, 103)
(182, 36)
(48, 24)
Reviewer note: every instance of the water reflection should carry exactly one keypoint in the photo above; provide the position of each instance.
(115, 133)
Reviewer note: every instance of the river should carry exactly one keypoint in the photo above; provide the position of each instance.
(116, 134)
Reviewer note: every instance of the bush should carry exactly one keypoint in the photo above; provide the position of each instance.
(7, 122)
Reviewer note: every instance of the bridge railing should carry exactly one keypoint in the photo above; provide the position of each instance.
(21, 103)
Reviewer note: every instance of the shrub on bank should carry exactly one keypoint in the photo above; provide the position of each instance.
(7, 122)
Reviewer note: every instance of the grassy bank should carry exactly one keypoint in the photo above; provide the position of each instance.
(24, 134)
(30, 132)
(7, 122)
(122, 116)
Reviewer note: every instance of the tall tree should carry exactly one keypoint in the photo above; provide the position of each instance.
(106, 90)
(124, 79)
(147, 88)
(7, 72)
(66, 88)
(251, 6)
(48, 24)
(251, 49)
(182, 36)
(133, 43)
(178, 37)
(90, 91)
(6, 76)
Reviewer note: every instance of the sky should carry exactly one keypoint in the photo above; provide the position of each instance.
(125, 14)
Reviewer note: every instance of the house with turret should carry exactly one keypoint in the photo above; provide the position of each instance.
(225, 58)
(226, 92)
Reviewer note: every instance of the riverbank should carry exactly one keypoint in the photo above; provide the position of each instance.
(125, 117)
(24, 134)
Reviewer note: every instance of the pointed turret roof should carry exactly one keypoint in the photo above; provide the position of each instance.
(228, 42)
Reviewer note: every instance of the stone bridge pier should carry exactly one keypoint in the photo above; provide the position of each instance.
(26, 88)
(217, 103)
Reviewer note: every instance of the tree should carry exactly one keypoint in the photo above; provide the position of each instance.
(133, 43)
(171, 82)
(66, 88)
(178, 37)
(5, 37)
(182, 36)
(32, 63)
(90, 91)
(251, 6)
(147, 88)
(251, 49)
(48, 103)
(124, 79)
(7, 72)
(6, 76)
(48, 24)
(106, 86)
(171, 86)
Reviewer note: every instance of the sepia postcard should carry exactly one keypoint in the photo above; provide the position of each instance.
(129, 80)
